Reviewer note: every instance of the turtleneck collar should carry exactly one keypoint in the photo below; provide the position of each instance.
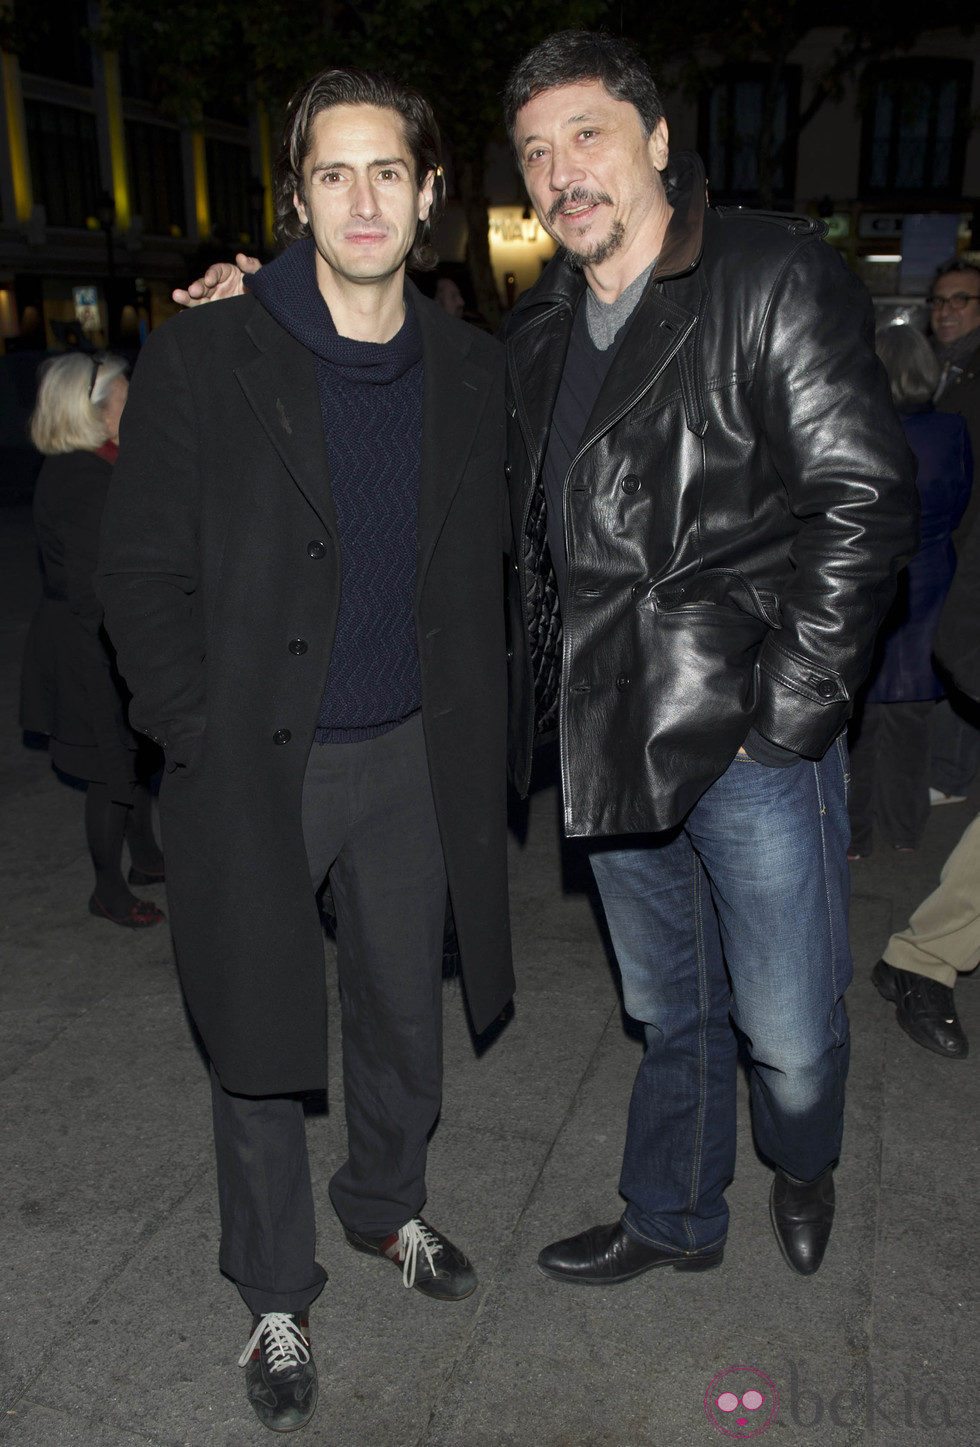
(288, 290)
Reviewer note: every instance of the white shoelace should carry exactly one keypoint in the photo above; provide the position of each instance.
(412, 1238)
(286, 1345)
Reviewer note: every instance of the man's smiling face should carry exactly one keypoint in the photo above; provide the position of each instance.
(592, 174)
(361, 199)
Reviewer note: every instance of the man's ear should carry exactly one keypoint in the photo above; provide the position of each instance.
(300, 209)
(659, 145)
(426, 195)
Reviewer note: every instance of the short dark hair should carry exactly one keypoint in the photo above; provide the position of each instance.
(956, 264)
(352, 87)
(569, 56)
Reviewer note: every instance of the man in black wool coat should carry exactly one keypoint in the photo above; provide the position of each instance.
(302, 575)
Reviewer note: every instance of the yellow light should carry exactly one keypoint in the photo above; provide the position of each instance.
(265, 172)
(202, 208)
(518, 245)
(20, 166)
(117, 141)
(8, 313)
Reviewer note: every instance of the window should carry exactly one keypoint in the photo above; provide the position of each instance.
(64, 156)
(156, 177)
(229, 179)
(915, 126)
(729, 126)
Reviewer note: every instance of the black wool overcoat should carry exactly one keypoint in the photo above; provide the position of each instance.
(219, 561)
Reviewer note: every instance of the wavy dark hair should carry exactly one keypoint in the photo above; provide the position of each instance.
(569, 56)
(352, 87)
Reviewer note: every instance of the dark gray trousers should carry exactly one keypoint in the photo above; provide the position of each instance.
(370, 828)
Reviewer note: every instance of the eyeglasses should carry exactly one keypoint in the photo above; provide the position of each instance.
(956, 302)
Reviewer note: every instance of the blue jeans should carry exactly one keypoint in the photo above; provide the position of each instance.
(740, 914)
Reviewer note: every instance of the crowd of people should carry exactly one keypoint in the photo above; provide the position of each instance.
(704, 485)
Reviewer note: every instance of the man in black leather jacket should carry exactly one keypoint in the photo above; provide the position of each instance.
(710, 496)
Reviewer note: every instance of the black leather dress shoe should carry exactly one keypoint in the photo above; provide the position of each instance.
(924, 1008)
(802, 1214)
(607, 1254)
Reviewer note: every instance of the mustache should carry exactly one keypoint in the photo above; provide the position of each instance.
(577, 196)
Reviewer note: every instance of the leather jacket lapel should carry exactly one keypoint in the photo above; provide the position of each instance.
(657, 330)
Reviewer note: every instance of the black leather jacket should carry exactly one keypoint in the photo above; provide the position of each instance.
(735, 515)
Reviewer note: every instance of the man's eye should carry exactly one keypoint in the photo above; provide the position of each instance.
(332, 176)
(586, 135)
(388, 175)
(535, 155)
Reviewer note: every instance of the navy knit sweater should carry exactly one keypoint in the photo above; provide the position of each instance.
(371, 407)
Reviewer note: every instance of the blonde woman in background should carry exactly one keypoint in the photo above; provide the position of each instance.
(70, 688)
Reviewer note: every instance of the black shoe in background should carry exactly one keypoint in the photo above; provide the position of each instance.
(924, 1008)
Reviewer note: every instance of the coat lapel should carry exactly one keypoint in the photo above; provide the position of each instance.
(656, 333)
(280, 386)
(536, 356)
(455, 395)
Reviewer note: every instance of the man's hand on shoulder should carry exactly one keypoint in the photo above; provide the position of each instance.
(221, 280)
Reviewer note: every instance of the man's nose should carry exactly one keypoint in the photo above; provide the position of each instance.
(566, 170)
(364, 202)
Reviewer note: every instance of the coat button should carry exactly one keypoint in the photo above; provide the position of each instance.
(316, 549)
(281, 736)
(298, 645)
(622, 682)
(630, 484)
(826, 689)
(507, 471)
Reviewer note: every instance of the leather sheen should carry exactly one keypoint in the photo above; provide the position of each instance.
(734, 518)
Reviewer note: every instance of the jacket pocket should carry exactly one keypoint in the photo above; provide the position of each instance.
(719, 588)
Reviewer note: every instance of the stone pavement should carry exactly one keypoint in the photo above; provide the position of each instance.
(117, 1330)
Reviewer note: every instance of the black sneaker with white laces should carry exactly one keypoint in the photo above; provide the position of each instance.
(429, 1261)
(280, 1373)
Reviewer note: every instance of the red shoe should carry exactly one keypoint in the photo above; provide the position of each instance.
(142, 914)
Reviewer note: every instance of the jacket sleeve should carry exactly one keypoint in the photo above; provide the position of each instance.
(833, 434)
(147, 577)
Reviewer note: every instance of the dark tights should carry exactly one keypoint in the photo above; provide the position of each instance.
(107, 823)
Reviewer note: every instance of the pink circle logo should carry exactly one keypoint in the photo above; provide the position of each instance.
(741, 1402)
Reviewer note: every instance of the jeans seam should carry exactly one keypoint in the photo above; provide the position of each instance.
(702, 1024)
(839, 1038)
(671, 1246)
